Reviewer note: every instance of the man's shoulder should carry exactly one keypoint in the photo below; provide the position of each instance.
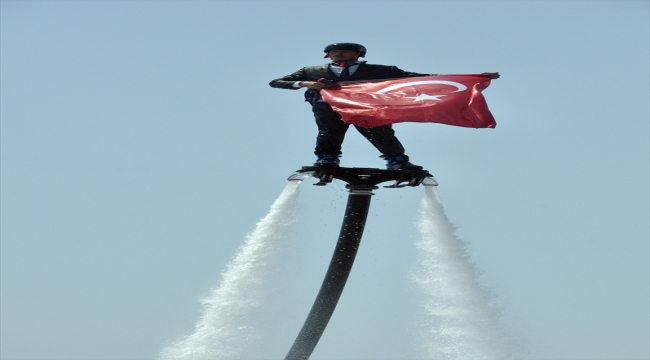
(316, 67)
(315, 72)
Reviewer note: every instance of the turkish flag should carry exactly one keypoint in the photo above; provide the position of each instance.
(447, 99)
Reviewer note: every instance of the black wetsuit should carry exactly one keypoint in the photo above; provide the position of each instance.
(331, 130)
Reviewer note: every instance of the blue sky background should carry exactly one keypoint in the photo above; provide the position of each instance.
(141, 142)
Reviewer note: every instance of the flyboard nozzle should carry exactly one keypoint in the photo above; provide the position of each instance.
(361, 189)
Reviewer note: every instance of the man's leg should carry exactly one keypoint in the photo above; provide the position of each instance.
(331, 130)
(384, 139)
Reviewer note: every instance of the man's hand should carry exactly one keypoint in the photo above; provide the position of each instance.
(314, 85)
(492, 75)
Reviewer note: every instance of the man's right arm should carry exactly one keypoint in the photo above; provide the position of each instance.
(291, 82)
(298, 80)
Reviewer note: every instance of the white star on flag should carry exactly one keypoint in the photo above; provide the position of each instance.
(426, 97)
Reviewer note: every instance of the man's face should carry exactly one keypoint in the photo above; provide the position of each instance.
(343, 55)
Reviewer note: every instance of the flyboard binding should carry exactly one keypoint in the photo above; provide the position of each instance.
(365, 176)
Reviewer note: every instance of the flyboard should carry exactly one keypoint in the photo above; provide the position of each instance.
(360, 183)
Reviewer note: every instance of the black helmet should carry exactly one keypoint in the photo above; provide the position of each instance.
(346, 46)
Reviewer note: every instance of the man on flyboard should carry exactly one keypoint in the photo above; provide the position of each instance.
(345, 66)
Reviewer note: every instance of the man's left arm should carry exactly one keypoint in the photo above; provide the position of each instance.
(395, 72)
(399, 73)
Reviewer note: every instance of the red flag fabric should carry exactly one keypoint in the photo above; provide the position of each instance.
(447, 99)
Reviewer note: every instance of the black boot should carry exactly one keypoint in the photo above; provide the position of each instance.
(327, 160)
(399, 162)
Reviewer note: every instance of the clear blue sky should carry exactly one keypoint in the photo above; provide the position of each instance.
(141, 142)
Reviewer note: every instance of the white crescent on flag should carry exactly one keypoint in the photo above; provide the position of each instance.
(459, 86)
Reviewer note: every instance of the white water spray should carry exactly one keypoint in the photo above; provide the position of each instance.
(221, 332)
(461, 324)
